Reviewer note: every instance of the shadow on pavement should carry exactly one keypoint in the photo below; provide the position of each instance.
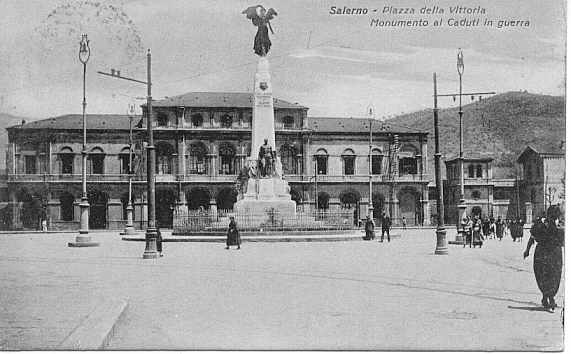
(530, 308)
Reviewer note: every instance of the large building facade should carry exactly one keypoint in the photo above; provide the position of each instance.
(202, 141)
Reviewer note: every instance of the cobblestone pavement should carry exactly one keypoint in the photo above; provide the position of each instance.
(323, 295)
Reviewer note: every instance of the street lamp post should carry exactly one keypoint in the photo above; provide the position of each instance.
(461, 203)
(371, 114)
(83, 239)
(441, 244)
(151, 234)
(129, 229)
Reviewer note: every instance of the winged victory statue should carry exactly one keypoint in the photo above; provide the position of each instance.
(261, 18)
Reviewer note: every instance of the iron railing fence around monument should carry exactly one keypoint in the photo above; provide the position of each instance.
(272, 220)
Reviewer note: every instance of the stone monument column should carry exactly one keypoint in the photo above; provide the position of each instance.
(263, 112)
(264, 191)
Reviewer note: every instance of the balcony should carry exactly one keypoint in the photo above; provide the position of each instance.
(65, 178)
(357, 178)
(170, 178)
(208, 178)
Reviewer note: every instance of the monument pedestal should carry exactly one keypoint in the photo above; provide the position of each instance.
(264, 194)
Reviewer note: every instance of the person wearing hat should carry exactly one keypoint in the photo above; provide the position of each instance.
(233, 235)
(385, 227)
(548, 258)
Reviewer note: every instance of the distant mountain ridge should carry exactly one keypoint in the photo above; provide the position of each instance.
(499, 127)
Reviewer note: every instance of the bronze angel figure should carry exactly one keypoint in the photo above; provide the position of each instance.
(261, 18)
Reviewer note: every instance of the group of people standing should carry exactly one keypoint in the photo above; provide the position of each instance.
(503, 228)
(476, 230)
(386, 224)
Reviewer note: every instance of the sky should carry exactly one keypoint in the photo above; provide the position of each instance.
(337, 65)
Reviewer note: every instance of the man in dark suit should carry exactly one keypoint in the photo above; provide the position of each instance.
(386, 226)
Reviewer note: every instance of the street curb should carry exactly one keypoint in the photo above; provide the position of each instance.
(94, 332)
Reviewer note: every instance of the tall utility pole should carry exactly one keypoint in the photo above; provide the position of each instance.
(129, 229)
(441, 244)
(371, 114)
(83, 239)
(461, 204)
(462, 201)
(151, 234)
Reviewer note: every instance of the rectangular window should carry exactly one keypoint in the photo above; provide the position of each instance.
(479, 171)
(97, 164)
(471, 171)
(164, 165)
(125, 167)
(30, 162)
(288, 122)
(226, 165)
(67, 164)
(407, 166)
(195, 165)
(321, 165)
(376, 164)
(349, 165)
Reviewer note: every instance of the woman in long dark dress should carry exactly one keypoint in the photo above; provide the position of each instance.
(369, 228)
(233, 235)
(548, 258)
(159, 242)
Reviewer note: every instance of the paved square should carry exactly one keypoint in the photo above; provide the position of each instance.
(315, 295)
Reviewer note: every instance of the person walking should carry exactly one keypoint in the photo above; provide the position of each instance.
(500, 228)
(386, 227)
(486, 228)
(547, 258)
(492, 228)
(477, 237)
(369, 228)
(233, 235)
(404, 223)
(512, 225)
(159, 242)
(520, 225)
(468, 231)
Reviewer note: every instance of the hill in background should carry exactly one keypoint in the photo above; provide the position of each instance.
(499, 127)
